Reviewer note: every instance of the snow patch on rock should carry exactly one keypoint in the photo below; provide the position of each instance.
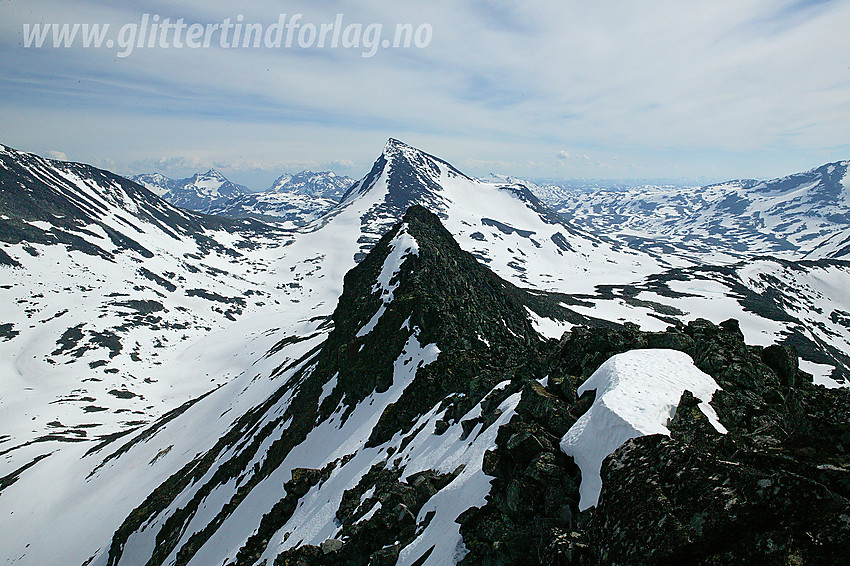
(401, 246)
(637, 393)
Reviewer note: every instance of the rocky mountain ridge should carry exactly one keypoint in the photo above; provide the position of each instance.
(390, 384)
(430, 381)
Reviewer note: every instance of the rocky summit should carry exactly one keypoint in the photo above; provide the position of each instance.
(773, 490)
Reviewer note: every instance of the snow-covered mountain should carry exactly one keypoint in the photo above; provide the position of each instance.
(285, 209)
(391, 383)
(505, 226)
(293, 200)
(325, 184)
(158, 183)
(806, 215)
(502, 224)
(106, 289)
(202, 192)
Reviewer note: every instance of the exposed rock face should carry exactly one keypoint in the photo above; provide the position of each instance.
(534, 498)
(453, 299)
(700, 497)
(775, 489)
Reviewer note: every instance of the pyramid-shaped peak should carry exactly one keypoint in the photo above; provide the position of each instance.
(429, 276)
(395, 143)
(395, 147)
(401, 154)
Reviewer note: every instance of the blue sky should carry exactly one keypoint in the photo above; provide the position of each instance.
(560, 89)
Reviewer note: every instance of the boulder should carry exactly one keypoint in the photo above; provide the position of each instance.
(331, 545)
(784, 361)
(540, 406)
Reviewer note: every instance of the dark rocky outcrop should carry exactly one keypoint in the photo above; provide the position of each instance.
(774, 490)
(377, 519)
(703, 498)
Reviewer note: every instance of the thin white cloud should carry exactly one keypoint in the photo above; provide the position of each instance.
(341, 163)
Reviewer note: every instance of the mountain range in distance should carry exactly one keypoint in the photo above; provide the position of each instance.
(293, 200)
(393, 380)
(802, 215)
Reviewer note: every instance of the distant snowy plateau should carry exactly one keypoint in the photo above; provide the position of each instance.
(192, 373)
